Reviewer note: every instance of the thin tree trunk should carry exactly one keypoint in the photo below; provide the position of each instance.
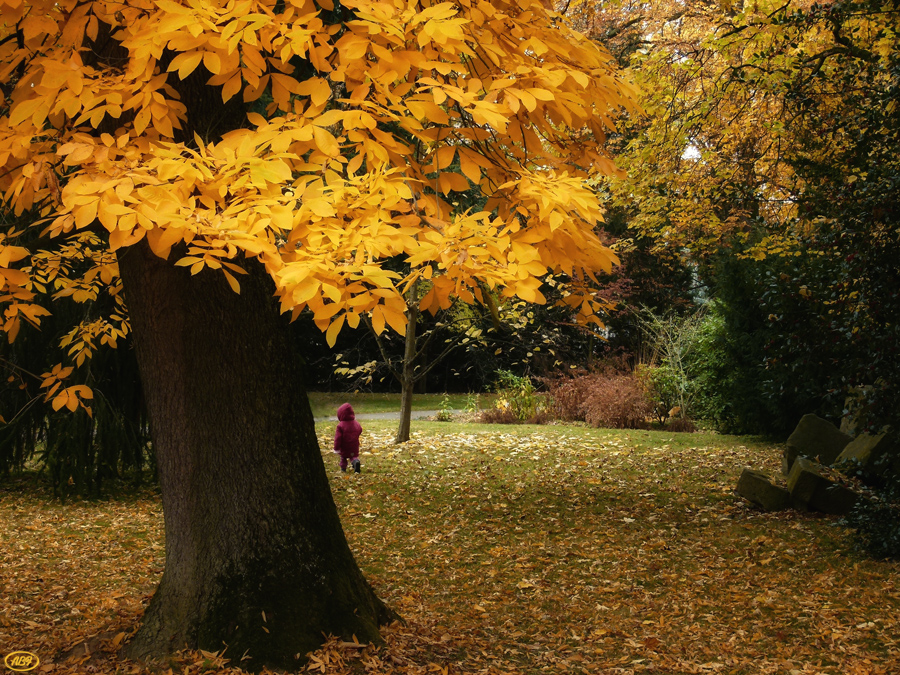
(408, 374)
(256, 559)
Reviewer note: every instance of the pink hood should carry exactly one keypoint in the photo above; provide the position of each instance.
(345, 413)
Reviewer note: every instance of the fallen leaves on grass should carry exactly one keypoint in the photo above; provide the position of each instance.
(534, 551)
(550, 551)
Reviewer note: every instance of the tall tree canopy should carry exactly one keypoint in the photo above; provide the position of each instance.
(193, 159)
(767, 160)
(361, 107)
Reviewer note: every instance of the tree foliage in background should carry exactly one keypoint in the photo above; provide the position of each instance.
(522, 337)
(767, 160)
(79, 449)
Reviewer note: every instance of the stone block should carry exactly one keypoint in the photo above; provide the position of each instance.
(835, 499)
(871, 452)
(757, 487)
(787, 459)
(853, 403)
(816, 439)
(810, 488)
(803, 481)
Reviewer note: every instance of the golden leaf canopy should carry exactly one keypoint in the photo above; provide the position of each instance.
(371, 117)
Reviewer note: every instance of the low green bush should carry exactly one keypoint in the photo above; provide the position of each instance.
(517, 401)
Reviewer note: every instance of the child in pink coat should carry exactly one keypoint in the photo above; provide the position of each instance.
(346, 437)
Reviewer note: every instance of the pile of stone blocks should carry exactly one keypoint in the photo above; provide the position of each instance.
(816, 439)
(809, 485)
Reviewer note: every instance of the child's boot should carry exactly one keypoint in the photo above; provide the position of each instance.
(356, 467)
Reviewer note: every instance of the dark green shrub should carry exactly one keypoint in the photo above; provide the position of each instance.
(877, 523)
(662, 386)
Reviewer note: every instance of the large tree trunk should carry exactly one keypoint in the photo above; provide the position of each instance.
(256, 559)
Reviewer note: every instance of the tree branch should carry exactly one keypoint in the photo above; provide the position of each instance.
(381, 349)
(440, 357)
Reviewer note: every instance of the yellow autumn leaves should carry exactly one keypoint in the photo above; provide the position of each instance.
(65, 397)
(371, 117)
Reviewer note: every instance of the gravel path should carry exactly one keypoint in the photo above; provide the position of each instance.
(416, 415)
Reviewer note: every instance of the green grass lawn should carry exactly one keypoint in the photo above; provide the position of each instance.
(532, 549)
(507, 550)
(326, 403)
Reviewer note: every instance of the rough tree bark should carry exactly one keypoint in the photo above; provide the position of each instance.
(256, 559)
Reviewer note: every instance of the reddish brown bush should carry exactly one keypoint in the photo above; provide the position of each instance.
(617, 402)
(680, 424)
(540, 417)
(610, 398)
(498, 416)
(567, 396)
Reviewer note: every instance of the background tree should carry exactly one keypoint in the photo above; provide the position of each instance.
(515, 335)
(416, 362)
(671, 340)
(765, 163)
(654, 272)
(221, 153)
(80, 447)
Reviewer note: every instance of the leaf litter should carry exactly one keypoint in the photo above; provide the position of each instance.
(538, 550)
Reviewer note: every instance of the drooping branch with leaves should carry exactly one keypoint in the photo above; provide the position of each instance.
(327, 181)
